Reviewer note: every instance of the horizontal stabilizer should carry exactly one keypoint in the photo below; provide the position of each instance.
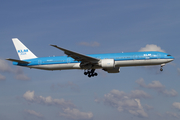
(19, 61)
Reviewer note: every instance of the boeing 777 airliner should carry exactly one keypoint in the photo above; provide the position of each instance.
(107, 62)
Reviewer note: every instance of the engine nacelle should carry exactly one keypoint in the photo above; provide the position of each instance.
(113, 70)
(107, 63)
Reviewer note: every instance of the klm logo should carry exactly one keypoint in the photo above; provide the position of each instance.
(23, 52)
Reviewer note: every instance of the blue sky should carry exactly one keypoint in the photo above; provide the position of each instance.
(89, 27)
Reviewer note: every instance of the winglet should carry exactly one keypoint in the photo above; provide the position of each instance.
(53, 45)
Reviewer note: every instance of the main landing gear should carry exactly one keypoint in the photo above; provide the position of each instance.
(90, 73)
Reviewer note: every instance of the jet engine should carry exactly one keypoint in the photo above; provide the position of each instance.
(107, 63)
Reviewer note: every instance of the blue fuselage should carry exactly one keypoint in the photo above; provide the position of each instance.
(121, 60)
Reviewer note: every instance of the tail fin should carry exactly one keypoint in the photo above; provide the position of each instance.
(23, 52)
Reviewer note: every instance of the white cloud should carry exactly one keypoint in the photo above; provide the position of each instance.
(19, 74)
(139, 112)
(69, 109)
(50, 101)
(151, 47)
(30, 96)
(171, 114)
(4, 67)
(33, 113)
(141, 82)
(126, 102)
(93, 44)
(156, 85)
(176, 105)
(171, 93)
(139, 94)
(153, 85)
(2, 77)
(117, 94)
(22, 77)
(75, 114)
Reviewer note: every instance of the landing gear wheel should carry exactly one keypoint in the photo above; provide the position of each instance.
(90, 73)
(161, 69)
(85, 73)
(95, 74)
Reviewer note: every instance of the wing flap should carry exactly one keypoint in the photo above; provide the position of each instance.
(77, 56)
(19, 61)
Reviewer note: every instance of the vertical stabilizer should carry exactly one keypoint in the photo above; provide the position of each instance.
(23, 52)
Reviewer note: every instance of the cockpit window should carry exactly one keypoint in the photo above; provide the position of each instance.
(168, 55)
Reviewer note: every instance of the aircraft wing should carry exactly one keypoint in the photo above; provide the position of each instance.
(19, 61)
(77, 56)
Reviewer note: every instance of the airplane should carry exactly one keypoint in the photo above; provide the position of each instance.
(110, 62)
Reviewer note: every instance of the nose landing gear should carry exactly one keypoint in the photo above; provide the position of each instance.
(161, 69)
(90, 73)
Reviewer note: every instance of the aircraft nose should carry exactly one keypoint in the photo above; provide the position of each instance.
(172, 58)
